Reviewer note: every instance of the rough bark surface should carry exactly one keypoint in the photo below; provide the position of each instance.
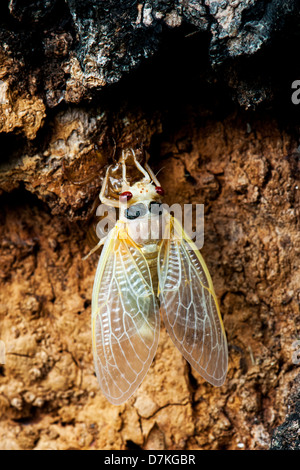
(205, 87)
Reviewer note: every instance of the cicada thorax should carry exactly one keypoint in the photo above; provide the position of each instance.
(145, 226)
(145, 221)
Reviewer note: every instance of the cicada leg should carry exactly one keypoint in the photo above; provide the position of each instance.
(138, 166)
(152, 175)
(101, 242)
(102, 197)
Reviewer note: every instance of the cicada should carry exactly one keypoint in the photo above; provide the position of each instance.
(148, 266)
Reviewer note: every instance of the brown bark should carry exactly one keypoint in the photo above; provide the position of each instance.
(242, 166)
(49, 394)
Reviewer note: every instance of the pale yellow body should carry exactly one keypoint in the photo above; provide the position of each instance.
(149, 265)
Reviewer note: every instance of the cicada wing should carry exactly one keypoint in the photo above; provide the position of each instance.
(189, 305)
(125, 318)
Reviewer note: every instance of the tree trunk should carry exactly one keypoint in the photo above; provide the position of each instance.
(207, 88)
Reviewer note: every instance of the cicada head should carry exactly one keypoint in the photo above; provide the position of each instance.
(135, 190)
(140, 191)
(140, 201)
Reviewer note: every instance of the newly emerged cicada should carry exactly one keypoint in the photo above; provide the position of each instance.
(149, 265)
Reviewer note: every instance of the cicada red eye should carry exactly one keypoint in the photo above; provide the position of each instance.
(124, 197)
(159, 190)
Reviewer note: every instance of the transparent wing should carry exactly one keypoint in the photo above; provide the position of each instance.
(125, 318)
(189, 306)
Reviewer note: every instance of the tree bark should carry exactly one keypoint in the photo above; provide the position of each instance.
(206, 88)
